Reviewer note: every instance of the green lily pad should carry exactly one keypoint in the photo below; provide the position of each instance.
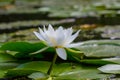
(6, 66)
(38, 76)
(71, 71)
(4, 57)
(35, 65)
(2, 73)
(14, 73)
(95, 61)
(114, 60)
(44, 66)
(81, 75)
(100, 48)
(23, 48)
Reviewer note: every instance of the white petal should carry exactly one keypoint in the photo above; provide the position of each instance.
(61, 53)
(50, 28)
(50, 32)
(44, 35)
(44, 28)
(59, 29)
(72, 37)
(60, 38)
(68, 32)
(39, 36)
(110, 68)
(73, 45)
(41, 31)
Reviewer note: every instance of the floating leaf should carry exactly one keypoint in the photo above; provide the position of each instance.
(35, 65)
(44, 66)
(6, 66)
(114, 60)
(2, 73)
(63, 70)
(38, 76)
(95, 61)
(24, 48)
(81, 75)
(14, 73)
(4, 57)
(101, 48)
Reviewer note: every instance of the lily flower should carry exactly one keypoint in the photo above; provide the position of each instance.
(59, 39)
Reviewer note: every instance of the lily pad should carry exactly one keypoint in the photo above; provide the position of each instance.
(114, 60)
(14, 73)
(100, 48)
(38, 76)
(95, 61)
(81, 75)
(4, 57)
(2, 73)
(23, 48)
(44, 66)
(71, 71)
(6, 66)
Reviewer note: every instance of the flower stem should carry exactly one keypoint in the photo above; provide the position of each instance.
(52, 64)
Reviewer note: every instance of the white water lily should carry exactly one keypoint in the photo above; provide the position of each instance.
(59, 39)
